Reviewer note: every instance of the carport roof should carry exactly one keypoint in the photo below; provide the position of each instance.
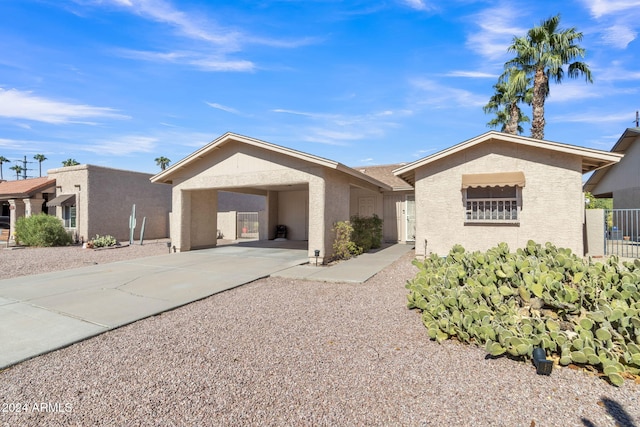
(591, 159)
(167, 175)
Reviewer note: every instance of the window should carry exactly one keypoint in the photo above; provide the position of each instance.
(492, 204)
(69, 216)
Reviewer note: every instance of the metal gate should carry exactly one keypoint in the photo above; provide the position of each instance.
(622, 232)
(247, 225)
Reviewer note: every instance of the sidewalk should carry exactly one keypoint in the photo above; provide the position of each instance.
(355, 270)
(45, 312)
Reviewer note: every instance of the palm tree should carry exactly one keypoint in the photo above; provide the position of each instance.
(512, 89)
(70, 162)
(40, 158)
(542, 54)
(2, 160)
(163, 162)
(502, 119)
(18, 170)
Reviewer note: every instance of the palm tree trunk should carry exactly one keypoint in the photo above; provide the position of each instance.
(540, 88)
(514, 119)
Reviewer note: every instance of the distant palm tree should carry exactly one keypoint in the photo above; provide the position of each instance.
(18, 170)
(512, 89)
(163, 162)
(70, 162)
(3, 160)
(542, 54)
(40, 158)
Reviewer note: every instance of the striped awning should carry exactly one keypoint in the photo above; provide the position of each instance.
(63, 200)
(498, 179)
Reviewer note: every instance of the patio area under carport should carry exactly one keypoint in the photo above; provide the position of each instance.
(306, 193)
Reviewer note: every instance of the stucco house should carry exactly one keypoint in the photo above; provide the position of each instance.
(620, 181)
(493, 188)
(501, 188)
(94, 200)
(25, 197)
(306, 193)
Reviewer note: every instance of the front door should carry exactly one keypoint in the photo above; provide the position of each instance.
(410, 214)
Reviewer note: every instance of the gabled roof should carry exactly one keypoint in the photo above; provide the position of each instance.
(167, 175)
(24, 188)
(591, 159)
(621, 146)
(385, 174)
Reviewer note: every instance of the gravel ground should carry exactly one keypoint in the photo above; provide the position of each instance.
(16, 262)
(285, 352)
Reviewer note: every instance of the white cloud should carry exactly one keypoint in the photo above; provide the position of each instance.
(443, 96)
(601, 8)
(619, 36)
(340, 129)
(572, 91)
(121, 146)
(622, 117)
(24, 105)
(222, 107)
(418, 5)
(472, 74)
(206, 63)
(497, 29)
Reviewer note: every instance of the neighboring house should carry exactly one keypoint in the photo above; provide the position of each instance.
(493, 188)
(93, 200)
(620, 181)
(25, 197)
(306, 193)
(501, 188)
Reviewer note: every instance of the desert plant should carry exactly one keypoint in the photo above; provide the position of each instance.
(103, 241)
(343, 246)
(579, 311)
(367, 232)
(42, 230)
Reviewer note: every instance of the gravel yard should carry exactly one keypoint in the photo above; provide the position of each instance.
(285, 352)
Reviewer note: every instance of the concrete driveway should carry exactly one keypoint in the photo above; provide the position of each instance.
(48, 311)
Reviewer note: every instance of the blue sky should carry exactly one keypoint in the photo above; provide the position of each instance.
(118, 83)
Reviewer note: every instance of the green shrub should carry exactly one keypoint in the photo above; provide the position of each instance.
(103, 241)
(367, 232)
(42, 230)
(343, 245)
(540, 296)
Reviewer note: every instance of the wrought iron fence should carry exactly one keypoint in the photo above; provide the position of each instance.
(248, 225)
(622, 232)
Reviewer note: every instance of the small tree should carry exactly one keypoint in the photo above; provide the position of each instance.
(70, 162)
(3, 160)
(163, 162)
(18, 169)
(40, 158)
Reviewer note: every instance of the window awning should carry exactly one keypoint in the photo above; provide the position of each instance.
(63, 200)
(499, 179)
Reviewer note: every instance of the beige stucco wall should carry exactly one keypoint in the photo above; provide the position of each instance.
(623, 179)
(594, 232)
(105, 197)
(285, 180)
(552, 204)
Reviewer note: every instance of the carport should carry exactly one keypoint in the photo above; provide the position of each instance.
(306, 193)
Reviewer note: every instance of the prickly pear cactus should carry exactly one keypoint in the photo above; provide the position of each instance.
(538, 296)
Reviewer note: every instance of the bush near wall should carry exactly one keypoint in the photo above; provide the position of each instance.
(41, 230)
(356, 236)
(367, 232)
(578, 311)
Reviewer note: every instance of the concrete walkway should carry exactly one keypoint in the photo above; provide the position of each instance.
(45, 312)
